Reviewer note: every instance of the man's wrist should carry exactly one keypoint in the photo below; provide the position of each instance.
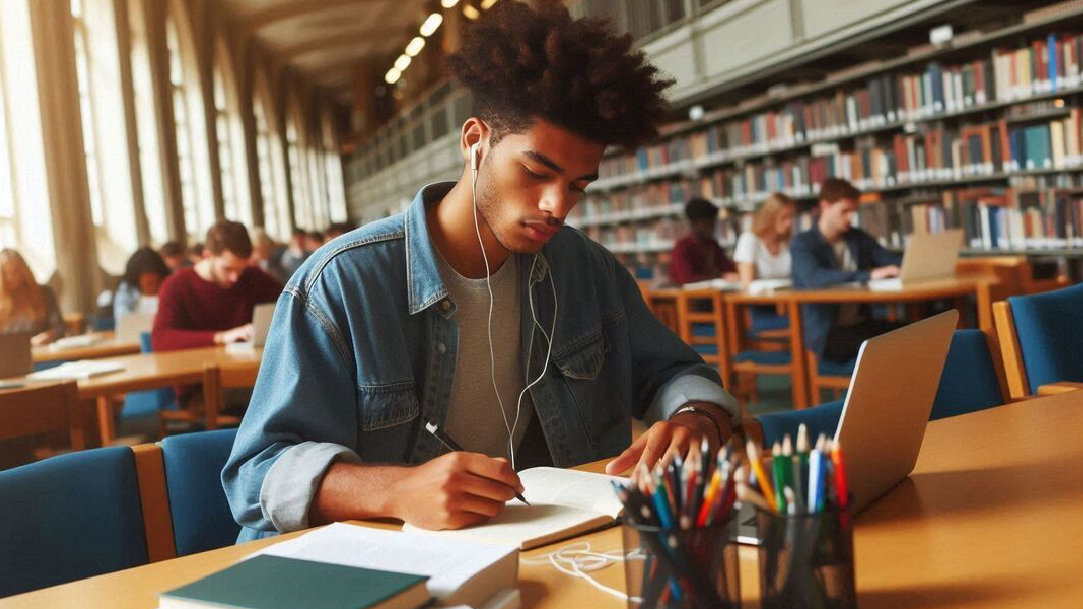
(718, 418)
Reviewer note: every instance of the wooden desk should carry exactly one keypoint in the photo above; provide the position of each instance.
(990, 518)
(946, 289)
(143, 371)
(107, 346)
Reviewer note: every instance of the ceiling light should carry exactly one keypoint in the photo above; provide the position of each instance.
(487, 3)
(431, 24)
(402, 63)
(448, 3)
(392, 76)
(415, 46)
(470, 12)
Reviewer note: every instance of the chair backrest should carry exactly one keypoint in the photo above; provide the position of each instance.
(200, 513)
(970, 381)
(69, 517)
(1049, 330)
(40, 409)
(216, 379)
(972, 378)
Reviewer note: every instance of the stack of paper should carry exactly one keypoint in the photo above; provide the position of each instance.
(71, 342)
(460, 572)
(78, 370)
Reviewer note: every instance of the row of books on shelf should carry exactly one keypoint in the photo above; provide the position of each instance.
(1046, 65)
(932, 153)
(992, 219)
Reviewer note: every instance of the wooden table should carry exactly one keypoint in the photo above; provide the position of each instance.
(143, 371)
(107, 346)
(990, 518)
(955, 289)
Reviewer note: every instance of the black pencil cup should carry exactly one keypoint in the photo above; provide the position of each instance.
(806, 560)
(682, 568)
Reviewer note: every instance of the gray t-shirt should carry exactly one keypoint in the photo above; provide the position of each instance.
(474, 419)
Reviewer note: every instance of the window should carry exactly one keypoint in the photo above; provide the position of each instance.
(276, 219)
(232, 163)
(302, 214)
(86, 111)
(25, 217)
(332, 166)
(192, 157)
(147, 128)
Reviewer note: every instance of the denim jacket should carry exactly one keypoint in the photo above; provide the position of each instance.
(362, 351)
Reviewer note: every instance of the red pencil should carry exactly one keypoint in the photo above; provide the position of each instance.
(840, 475)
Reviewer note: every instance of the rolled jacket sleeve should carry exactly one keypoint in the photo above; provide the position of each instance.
(302, 417)
(686, 388)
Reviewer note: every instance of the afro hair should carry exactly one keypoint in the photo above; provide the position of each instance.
(523, 63)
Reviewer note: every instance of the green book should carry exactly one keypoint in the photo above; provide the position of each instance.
(273, 582)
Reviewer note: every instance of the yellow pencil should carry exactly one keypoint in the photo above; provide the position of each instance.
(757, 468)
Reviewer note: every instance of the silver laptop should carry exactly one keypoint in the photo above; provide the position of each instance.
(130, 327)
(261, 327)
(16, 356)
(927, 256)
(887, 406)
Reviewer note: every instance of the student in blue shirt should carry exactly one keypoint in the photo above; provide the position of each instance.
(478, 310)
(834, 252)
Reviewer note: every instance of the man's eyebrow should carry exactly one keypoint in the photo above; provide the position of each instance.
(548, 162)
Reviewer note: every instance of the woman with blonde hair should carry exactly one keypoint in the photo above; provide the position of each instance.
(25, 306)
(764, 252)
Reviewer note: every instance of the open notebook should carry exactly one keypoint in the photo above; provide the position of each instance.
(563, 503)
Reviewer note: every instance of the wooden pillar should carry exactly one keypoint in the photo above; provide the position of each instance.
(246, 94)
(135, 167)
(65, 160)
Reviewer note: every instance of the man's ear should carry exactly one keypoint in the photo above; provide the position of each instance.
(474, 131)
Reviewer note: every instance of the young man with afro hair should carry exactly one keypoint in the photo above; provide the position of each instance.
(478, 311)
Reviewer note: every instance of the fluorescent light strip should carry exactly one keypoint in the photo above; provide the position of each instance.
(431, 24)
(415, 46)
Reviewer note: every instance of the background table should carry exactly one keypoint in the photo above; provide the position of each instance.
(106, 346)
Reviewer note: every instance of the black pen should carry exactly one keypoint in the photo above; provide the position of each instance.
(452, 445)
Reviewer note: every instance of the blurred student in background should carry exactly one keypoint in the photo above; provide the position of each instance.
(174, 255)
(137, 291)
(211, 303)
(699, 256)
(25, 306)
(764, 251)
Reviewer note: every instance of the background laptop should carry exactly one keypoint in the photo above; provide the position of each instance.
(16, 357)
(887, 406)
(261, 326)
(927, 256)
(130, 327)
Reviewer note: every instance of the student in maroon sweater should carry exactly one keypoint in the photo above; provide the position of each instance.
(698, 256)
(211, 303)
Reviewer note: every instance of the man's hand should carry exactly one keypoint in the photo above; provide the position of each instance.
(666, 439)
(238, 334)
(884, 272)
(453, 491)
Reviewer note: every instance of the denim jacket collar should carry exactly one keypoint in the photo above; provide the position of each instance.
(424, 285)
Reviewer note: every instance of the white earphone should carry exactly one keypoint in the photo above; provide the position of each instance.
(475, 162)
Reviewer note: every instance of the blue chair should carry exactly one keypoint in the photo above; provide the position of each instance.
(144, 403)
(1041, 337)
(970, 381)
(200, 513)
(69, 517)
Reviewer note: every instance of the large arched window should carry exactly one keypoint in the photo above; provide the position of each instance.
(105, 139)
(272, 172)
(232, 163)
(25, 218)
(146, 125)
(188, 116)
(302, 201)
(332, 169)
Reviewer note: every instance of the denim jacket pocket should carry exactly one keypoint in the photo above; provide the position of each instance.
(382, 406)
(589, 387)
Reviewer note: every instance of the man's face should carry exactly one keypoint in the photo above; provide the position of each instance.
(704, 227)
(529, 181)
(838, 215)
(226, 268)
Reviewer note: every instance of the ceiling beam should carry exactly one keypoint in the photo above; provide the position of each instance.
(291, 10)
(325, 43)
